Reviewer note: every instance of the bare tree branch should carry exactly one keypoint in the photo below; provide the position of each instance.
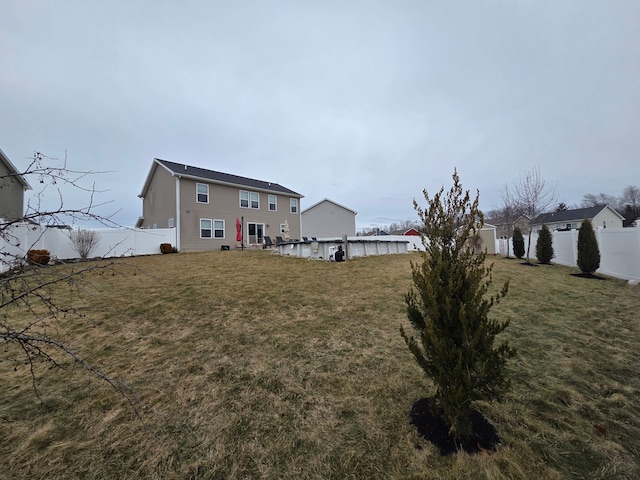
(534, 197)
(30, 308)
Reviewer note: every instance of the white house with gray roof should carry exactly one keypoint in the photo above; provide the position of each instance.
(205, 207)
(601, 217)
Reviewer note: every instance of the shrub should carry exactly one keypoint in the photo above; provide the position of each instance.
(84, 241)
(167, 248)
(454, 342)
(588, 250)
(518, 243)
(39, 257)
(544, 246)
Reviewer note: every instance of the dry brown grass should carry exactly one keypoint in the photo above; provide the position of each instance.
(258, 366)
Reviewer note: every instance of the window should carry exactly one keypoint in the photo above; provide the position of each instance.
(202, 193)
(244, 199)
(249, 200)
(604, 224)
(205, 228)
(282, 228)
(170, 223)
(273, 203)
(294, 205)
(218, 228)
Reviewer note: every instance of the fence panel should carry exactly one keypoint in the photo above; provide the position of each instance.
(112, 242)
(619, 250)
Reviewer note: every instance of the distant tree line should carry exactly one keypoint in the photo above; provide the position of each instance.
(627, 204)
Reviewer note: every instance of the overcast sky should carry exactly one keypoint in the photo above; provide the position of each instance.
(363, 102)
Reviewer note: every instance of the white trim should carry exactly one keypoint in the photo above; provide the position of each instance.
(249, 200)
(269, 202)
(198, 193)
(178, 213)
(224, 233)
(210, 228)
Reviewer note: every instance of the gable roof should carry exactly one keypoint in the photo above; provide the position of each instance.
(330, 201)
(13, 171)
(211, 176)
(577, 214)
(497, 221)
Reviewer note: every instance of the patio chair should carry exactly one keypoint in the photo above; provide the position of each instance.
(279, 240)
(267, 242)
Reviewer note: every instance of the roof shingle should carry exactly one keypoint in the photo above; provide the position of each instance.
(226, 178)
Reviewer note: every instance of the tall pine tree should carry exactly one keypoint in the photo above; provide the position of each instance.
(544, 246)
(454, 338)
(588, 250)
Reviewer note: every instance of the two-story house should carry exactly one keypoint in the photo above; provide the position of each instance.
(12, 188)
(208, 208)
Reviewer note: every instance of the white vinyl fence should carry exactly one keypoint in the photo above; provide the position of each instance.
(619, 250)
(113, 242)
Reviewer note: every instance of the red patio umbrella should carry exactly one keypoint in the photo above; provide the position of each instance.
(238, 230)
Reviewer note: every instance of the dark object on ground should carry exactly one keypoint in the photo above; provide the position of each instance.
(339, 256)
(587, 275)
(224, 247)
(529, 264)
(484, 437)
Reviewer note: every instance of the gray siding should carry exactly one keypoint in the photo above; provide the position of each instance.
(11, 195)
(327, 219)
(224, 204)
(159, 203)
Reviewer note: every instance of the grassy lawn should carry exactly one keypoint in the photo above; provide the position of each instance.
(258, 366)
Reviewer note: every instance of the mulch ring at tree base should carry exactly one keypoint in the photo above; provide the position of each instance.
(484, 438)
(587, 275)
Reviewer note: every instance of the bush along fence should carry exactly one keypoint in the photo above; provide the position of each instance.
(111, 243)
(619, 250)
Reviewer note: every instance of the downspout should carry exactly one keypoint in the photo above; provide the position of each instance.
(178, 224)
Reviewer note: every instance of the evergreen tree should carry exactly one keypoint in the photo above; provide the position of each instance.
(588, 250)
(518, 243)
(544, 246)
(454, 342)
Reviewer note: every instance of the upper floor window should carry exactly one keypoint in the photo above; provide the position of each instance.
(294, 205)
(273, 203)
(249, 199)
(202, 193)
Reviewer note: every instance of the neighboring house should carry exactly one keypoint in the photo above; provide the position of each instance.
(204, 206)
(12, 188)
(504, 228)
(601, 217)
(412, 232)
(328, 219)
